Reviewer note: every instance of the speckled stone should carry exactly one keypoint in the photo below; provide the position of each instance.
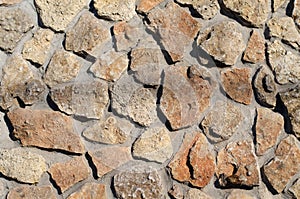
(9, 2)
(32, 192)
(144, 6)
(295, 189)
(240, 194)
(90, 191)
(296, 13)
(196, 194)
(255, 51)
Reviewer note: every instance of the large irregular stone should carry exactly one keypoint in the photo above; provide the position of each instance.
(175, 27)
(296, 13)
(87, 36)
(153, 145)
(253, 13)
(194, 162)
(295, 189)
(222, 121)
(45, 129)
(90, 191)
(237, 84)
(285, 165)
(144, 6)
(67, 174)
(240, 194)
(196, 194)
(255, 51)
(9, 2)
(14, 23)
(221, 37)
(37, 48)
(58, 14)
(237, 165)
(143, 182)
(32, 192)
(22, 165)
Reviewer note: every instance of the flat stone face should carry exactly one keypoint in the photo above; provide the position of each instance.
(87, 35)
(237, 165)
(240, 194)
(222, 121)
(255, 51)
(33, 192)
(223, 36)
(237, 84)
(90, 191)
(196, 194)
(9, 2)
(295, 189)
(14, 23)
(67, 174)
(22, 165)
(173, 23)
(285, 164)
(145, 6)
(57, 15)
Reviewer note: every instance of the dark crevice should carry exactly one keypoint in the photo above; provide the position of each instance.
(281, 108)
(114, 40)
(290, 8)
(254, 130)
(129, 71)
(109, 108)
(20, 102)
(51, 103)
(192, 10)
(10, 128)
(267, 182)
(52, 181)
(92, 166)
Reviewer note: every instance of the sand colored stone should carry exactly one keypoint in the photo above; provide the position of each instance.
(90, 191)
(255, 51)
(32, 192)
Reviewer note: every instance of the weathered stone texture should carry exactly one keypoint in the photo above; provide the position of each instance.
(296, 13)
(9, 2)
(196, 194)
(206, 8)
(32, 192)
(295, 189)
(176, 192)
(255, 51)
(277, 4)
(90, 191)
(145, 6)
(240, 194)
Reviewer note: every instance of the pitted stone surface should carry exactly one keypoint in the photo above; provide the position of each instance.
(255, 51)
(32, 192)
(90, 191)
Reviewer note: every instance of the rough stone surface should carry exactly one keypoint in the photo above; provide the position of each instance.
(295, 189)
(9, 2)
(145, 6)
(176, 192)
(90, 191)
(22, 165)
(277, 4)
(45, 129)
(240, 194)
(196, 194)
(67, 174)
(32, 192)
(296, 13)
(255, 51)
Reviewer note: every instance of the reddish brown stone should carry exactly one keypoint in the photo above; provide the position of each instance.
(255, 51)
(145, 6)
(32, 192)
(90, 191)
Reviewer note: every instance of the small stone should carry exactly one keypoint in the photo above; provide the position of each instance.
(67, 174)
(223, 36)
(237, 165)
(176, 192)
(32, 192)
(255, 51)
(285, 165)
(141, 182)
(153, 145)
(144, 6)
(237, 84)
(63, 67)
(277, 4)
(196, 194)
(37, 48)
(115, 10)
(57, 15)
(296, 13)
(295, 189)
(90, 191)
(268, 127)
(14, 23)
(240, 194)
(22, 165)
(45, 129)
(222, 121)
(87, 36)
(9, 2)
(110, 158)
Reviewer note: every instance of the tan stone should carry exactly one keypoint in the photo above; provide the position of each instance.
(90, 191)
(240, 194)
(277, 4)
(255, 51)
(176, 192)
(296, 13)
(145, 6)
(67, 174)
(9, 2)
(196, 194)
(32, 192)
(295, 189)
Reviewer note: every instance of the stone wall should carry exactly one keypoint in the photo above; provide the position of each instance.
(149, 99)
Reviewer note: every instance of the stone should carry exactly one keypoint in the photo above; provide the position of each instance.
(253, 13)
(173, 23)
(295, 189)
(85, 99)
(222, 121)
(240, 194)
(296, 13)
(223, 36)
(110, 158)
(58, 15)
(196, 194)
(237, 165)
(63, 67)
(38, 47)
(153, 145)
(32, 192)
(267, 129)
(194, 162)
(9, 2)
(90, 191)
(237, 84)
(176, 192)
(283, 63)
(67, 174)
(144, 6)
(255, 51)
(115, 10)
(280, 170)
(22, 165)
(14, 24)
(277, 4)
(143, 182)
(88, 35)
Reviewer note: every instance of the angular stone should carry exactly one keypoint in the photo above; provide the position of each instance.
(144, 6)
(141, 182)
(295, 189)
(115, 10)
(268, 127)
(22, 165)
(176, 192)
(9, 2)
(87, 36)
(196, 194)
(14, 23)
(32, 192)
(45, 129)
(240, 194)
(296, 13)
(223, 36)
(175, 27)
(277, 4)
(255, 51)
(253, 13)
(237, 165)
(110, 158)
(222, 121)
(90, 191)
(67, 174)
(285, 165)
(37, 48)
(57, 15)
(237, 84)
